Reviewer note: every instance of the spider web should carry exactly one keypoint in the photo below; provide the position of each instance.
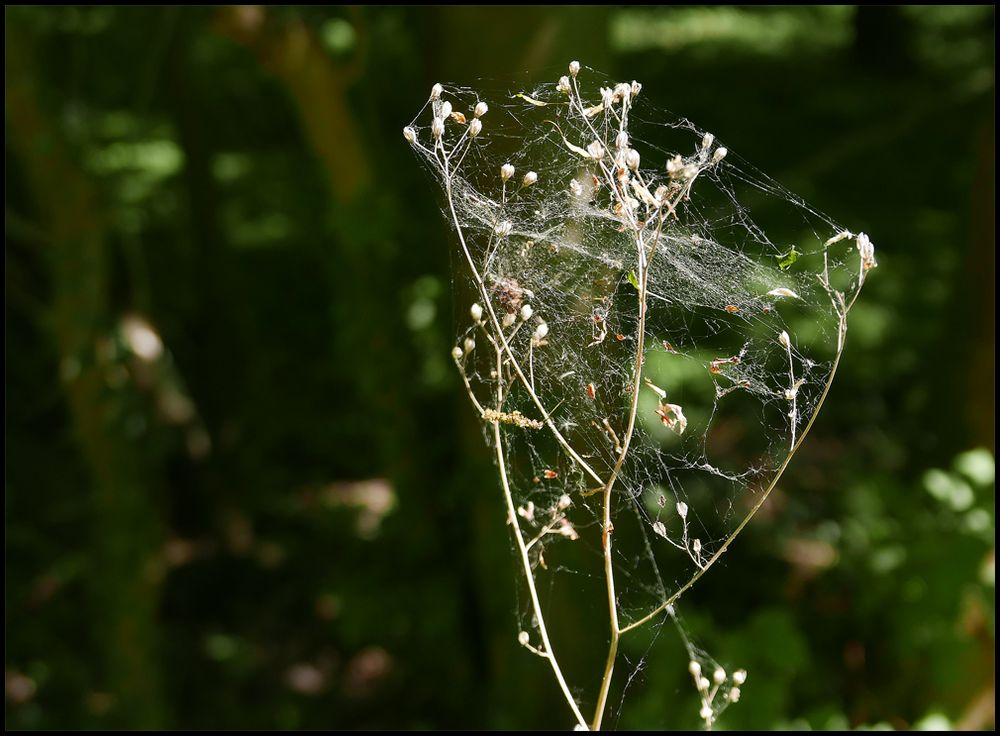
(645, 310)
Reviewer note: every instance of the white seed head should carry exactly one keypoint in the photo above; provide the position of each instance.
(506, 171)
(523, 638)
(456, 352)
(720, 153)
(719, 676)
(621, 140)
(508, 319)
(503, 228)
(530, 178)
(707, 141)
(445, 109)
(437, 128)
(526, 312)
(475, 127)
(476, 311)
(740, 676)
(436, 91)
(632, 159)
(785, 341)
(734, 695)
(541, 331)
(410, 134)
(682, 509)
(694, 668)
(574, 68)
(481, 109)
(563, 85)
(596, 150)
(705, 712)
(469, 345)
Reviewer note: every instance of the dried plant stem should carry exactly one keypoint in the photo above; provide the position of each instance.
(522, 548)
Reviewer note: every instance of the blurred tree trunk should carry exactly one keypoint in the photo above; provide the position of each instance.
(126, 575)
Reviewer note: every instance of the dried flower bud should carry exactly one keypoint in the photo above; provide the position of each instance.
(574, 68)
(682, 509)
(707, 141)
(469, 345)
(476, 311)
(596, 150)
(436, 91)
(541, 331)
(719, 676)
(632, 159)
(621, 140)
(785, 341)
(445, 109)
(456, 352)
(475, 127)
(437, 128)
(506, 171)
(720, 153)
(530, 178)
(636, 88)
(696, 546)
(503, 228)
(526, 312)
(740, 676)
(624, 91)
(410, 134)
(508, 319)
(481, 109)
(867, 251)
(563, 85)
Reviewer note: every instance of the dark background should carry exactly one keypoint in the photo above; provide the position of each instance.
(244, 488)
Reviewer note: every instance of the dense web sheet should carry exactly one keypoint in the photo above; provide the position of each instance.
(653, 327)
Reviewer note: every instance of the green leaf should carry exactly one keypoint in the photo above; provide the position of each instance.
(632, 279)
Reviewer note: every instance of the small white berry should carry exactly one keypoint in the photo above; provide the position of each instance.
(541, 331)
(526, 312)
(740, 676)
(456, 352)
(705, 712)
(508, 319)
(475, 127)
(523, 638)
(720, 153)
(530, 178)
(703, 683)
(694, 668)
(574, 68)
(734, 695)
(481, 109)
(469, 345)
(476, 311)
(719, 676)
(506, 171)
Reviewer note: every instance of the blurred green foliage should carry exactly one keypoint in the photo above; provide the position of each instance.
(243, 487)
